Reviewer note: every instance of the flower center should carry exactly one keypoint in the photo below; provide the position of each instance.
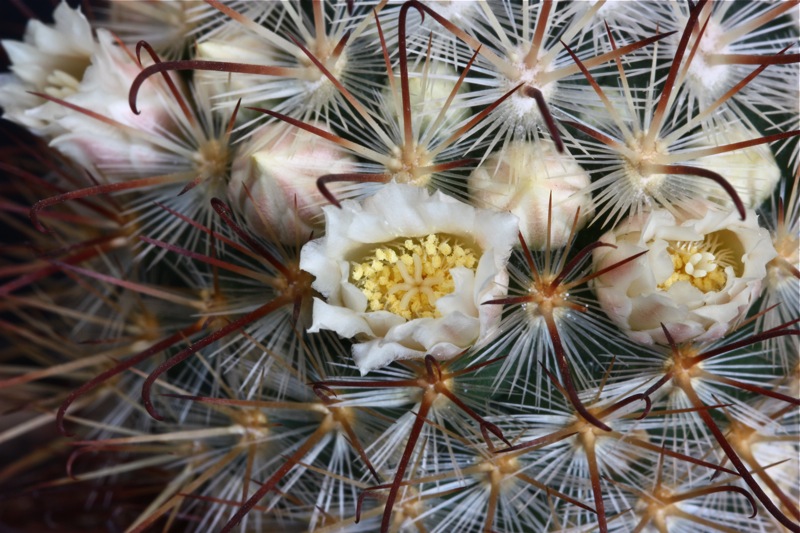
(61, 84)
(407, 277)
(701, 263)
(65, 80)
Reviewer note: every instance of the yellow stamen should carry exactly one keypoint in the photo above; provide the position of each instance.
(697, 263)
(406, 277)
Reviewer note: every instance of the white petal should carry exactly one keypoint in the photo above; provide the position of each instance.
(379, 353)
(343, 321)
(462, 299)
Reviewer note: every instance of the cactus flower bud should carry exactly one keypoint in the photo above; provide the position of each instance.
(521, 178)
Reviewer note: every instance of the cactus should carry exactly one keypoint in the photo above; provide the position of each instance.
(402, 266)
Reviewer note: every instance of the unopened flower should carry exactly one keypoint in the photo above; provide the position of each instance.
(752, 171)
(405, 273)
(169, 26)
(698, 277)
(429, 87)
(523, 178)
(274, 181)
(225, 88)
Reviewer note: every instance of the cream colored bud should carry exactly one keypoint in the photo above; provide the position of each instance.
(428, 92)
(521, 179)
(224, 87)
(752, 171)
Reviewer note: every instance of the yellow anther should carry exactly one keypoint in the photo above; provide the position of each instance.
(408, 283)
(695, 263)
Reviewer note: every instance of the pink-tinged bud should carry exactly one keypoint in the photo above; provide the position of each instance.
(274, 181)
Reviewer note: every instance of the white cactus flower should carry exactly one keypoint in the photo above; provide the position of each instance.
(406, 272)
(50, 60)
(67, 62)
(698, 277)
(115, 138)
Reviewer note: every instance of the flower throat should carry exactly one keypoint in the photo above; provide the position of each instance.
(701, 263)
(407, 276)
